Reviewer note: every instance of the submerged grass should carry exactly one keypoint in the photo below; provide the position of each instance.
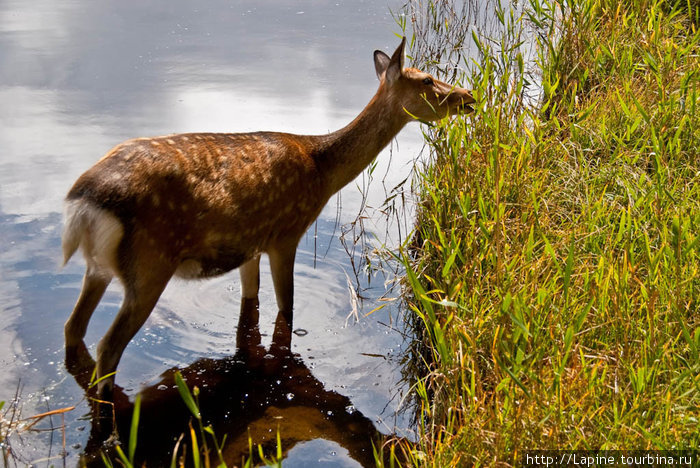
(555, 270)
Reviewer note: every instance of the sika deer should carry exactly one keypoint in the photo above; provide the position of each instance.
(201, 204)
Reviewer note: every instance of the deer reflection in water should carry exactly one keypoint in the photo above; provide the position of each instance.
(253, 394)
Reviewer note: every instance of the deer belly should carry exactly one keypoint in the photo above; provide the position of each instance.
(215, 264)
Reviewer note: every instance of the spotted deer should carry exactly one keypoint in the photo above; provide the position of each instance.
(198, 205)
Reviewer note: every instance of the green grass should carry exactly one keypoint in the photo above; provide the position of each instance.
(554, 275)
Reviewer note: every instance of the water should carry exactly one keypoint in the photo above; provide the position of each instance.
(76, 78)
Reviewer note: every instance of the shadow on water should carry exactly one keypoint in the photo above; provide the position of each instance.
(250, 396)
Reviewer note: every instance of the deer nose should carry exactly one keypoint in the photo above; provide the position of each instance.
(467, 97)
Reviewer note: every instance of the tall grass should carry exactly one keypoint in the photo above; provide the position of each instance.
(555, 269)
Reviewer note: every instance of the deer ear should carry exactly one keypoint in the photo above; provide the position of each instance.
(395, 68)
(390, 68)
(381, 62)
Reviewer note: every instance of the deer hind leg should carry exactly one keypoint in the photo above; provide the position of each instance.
(99, 233)
(95, 283)
(77, 359)
(141, 292)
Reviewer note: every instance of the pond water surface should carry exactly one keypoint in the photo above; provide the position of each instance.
(76, 78)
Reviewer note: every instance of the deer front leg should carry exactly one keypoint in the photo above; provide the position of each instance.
(248, 331)
(250, 278)
(282, 266)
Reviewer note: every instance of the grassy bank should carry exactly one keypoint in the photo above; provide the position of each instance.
(555, 270)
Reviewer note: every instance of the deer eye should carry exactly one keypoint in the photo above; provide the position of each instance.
(428, 81)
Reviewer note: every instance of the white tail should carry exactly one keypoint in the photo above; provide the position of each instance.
(198, 205)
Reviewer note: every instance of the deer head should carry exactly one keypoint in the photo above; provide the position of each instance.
(421, 95)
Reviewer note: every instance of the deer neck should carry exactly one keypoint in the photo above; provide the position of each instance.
(344, 154)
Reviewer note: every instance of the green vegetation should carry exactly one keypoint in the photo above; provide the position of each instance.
(555, 269)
